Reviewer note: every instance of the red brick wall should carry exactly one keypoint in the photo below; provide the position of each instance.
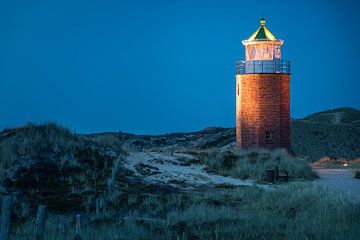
(263, 105)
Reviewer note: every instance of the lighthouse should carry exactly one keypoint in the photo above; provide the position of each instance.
(263, 93)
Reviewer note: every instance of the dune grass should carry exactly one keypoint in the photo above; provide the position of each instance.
(296, 211)
(252, 164)
(32, 139)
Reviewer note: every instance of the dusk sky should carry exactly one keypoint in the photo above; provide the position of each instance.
(156, 67)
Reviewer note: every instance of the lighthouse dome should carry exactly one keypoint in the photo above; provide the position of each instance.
(262, 33)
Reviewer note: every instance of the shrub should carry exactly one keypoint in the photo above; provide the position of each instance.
(357, 174)
(33, 139)
(252, 164)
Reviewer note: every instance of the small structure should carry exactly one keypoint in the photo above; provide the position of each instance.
(263, 93)
(273, 175)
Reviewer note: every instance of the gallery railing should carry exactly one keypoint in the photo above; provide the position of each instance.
(263, 66)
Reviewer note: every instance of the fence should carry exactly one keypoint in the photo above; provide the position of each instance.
(41, 218)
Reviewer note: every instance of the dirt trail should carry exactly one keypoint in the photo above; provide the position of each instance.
(341, 180)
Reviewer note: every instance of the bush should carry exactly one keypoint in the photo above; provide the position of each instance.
(252, 164)
(33, 139)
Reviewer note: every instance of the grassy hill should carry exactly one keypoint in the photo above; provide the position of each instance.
(92, 175)
(333, 133)
(344, 115)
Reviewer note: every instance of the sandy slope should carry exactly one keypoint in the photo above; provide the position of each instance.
(155, 167)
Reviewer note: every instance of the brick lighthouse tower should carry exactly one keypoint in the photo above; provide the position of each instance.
(263, 93)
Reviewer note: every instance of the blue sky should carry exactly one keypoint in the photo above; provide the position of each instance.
(165, 66)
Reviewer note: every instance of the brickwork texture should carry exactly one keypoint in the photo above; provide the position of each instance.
(263, 110)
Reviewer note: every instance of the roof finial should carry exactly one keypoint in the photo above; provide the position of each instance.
(262, 21)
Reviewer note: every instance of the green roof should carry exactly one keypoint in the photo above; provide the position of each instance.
(262, 33)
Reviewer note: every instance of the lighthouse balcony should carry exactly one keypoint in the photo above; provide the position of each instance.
(263, 66)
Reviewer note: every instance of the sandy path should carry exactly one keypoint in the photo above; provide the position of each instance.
(341, 180)
(169, 168)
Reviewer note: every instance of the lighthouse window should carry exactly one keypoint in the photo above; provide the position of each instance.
(253, 53)
(267, 53)
(237, 89)
(268, 135)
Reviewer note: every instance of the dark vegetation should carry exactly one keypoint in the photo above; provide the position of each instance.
(299, 211)
(334, 134)
(252, 164)
(48, 164)
(346, 115)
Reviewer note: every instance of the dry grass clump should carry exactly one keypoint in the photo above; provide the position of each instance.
(30, 140)
(112, 141)
(252, 164)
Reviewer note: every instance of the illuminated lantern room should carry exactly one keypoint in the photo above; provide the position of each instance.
(262, 53)
(262, 44)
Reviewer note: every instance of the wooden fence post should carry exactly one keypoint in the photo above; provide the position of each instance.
(86, 217)
(62, 227)
(97, 211)
(40, 221)
(114, 170)
(100, 206)
(78, 227)
(5, 217)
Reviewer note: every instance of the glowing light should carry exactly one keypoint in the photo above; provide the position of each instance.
(262, 44)
(262, 50)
